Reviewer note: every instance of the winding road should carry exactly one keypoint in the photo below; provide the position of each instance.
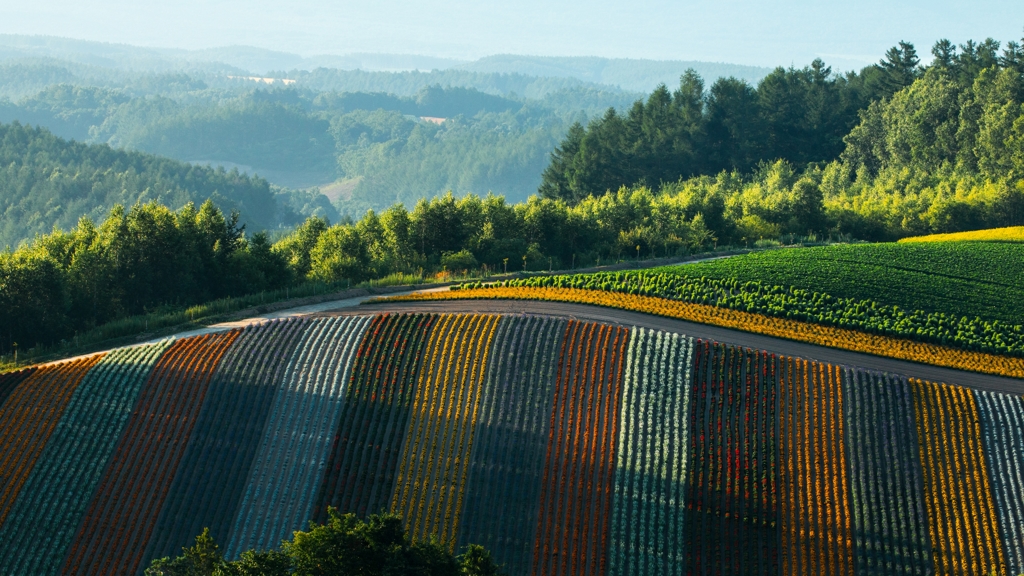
(724, 335)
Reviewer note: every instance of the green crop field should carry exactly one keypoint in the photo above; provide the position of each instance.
(959, 294)
(973, 279)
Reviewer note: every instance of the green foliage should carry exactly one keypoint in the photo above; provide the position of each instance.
(46, 182)
(136, 260)
(342, 545)
(797, 115)
(971, 279)
(964, 295)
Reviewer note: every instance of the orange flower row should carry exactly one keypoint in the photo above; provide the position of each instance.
(829, 336)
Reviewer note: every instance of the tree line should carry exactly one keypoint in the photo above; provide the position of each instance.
(799, 115)
(943, 153)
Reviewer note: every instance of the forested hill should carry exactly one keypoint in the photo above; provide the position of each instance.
(46, 181)
(905, 128)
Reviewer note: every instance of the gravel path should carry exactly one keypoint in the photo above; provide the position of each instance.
(725, 335)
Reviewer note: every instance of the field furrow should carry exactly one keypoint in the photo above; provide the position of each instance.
(209, 481)
(53, 499)
(28, 419)
(292, 454)
(123, 512)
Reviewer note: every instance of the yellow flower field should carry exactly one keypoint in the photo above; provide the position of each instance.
(830, 336)
(1010, 234)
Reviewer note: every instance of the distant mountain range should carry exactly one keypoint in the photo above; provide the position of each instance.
(627, 74)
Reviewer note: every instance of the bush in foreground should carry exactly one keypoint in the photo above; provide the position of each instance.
(343, 545)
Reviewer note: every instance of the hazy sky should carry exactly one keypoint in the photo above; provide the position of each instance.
(766, 33)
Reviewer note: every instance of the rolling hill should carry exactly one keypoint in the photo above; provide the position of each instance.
(563, 446)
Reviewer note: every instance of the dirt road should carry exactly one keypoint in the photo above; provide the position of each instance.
(725, 335)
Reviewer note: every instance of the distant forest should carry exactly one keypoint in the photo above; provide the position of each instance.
(895, 150)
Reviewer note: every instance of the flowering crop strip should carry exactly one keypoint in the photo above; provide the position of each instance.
(53, 499)
(431, 482)
(209, 481)
(886, 486)
(650, 472)
(830, 336)
(29, 417)
(576, 491)
(731, 518)
(299, 431)
(958, 495)
(1002, 426)
(815, 515)
(368, 436)
(119, 520)
(507, 463)
(10, 380)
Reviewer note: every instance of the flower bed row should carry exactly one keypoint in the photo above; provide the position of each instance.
(282, 481)
(510, 441)
(120, 518)
(565, 447)
(55, 495)
(967, 333)
(830, 336)
(432, 474)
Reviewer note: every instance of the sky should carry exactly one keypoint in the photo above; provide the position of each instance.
(848, 34)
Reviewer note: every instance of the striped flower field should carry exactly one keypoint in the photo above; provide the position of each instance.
(564, 447)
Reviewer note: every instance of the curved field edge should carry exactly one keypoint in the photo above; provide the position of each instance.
(828, 336)
(1008, 234)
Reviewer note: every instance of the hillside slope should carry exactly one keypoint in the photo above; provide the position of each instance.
(565, 447)
(48, 182)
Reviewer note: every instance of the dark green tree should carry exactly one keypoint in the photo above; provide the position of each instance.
(343, 545)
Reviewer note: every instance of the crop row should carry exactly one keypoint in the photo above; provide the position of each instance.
(364, 454)
(54, 497)
(967, 333)
(962, 522)
(890, 528)
(10, 380)
(124, 509)
(647, 528)
(282, 482)
(209, 480)
(564, 447)
(510, 442)
(749, 322)
(28, 418)
(431, 482)
(815, 514)
(731, 518)
(576, 490)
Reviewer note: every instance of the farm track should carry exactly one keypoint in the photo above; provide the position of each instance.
(777, 346)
